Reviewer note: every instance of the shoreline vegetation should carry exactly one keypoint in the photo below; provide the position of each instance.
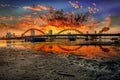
(27, 64)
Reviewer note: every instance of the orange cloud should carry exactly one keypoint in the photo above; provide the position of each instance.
(3, 18)
(2, 25)
(25, 17)
(24, 24)
(6, 18)
(35, 13)
(11, 18)
(29, 20)
(38, 7)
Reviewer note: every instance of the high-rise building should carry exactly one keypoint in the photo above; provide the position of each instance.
(8, 35)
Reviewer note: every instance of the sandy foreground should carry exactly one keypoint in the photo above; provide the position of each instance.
(26, 64)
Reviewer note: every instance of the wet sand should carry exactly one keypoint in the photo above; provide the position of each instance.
(27, 64)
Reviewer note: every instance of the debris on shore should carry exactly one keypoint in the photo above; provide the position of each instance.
(27, 64)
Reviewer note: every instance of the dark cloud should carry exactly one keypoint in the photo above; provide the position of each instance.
(8, 5)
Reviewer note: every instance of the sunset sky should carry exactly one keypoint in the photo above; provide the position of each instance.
(18, 15)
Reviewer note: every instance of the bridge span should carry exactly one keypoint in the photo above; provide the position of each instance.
(63, 34)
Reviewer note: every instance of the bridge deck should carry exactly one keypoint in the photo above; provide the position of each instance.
(58, 35)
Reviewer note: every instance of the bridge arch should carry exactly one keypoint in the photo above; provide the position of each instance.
(68, 49)
(70, 30)
(23, 34)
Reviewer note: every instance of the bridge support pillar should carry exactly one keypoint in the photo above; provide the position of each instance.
(50, 38)
(32, 32)
(100, 39)
(71, 38)
(95, 36)
(86, 38)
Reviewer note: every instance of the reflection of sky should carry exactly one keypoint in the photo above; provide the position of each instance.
(82, 51)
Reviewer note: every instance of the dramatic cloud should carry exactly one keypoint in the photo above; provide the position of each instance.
(25, 18)
(108, 21)
(38, 7)
(4, 18)
(3, 25)
(94, 4)
(4, 5)
(30, 20)
(75, 4)
(92, 10)
(8, 5)
(24, 24)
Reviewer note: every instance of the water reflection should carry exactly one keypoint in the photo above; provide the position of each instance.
(80, 50)
(10, 43)
(104, 49)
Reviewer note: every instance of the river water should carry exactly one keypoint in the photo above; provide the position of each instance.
(65, 47)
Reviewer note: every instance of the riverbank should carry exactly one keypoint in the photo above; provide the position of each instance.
(27, 64)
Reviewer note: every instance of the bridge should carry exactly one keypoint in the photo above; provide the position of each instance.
(71, 34)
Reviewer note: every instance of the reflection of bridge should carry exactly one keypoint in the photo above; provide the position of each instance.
(71, 34)
(64, 47)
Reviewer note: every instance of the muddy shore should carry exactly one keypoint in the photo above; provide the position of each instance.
(26, 64)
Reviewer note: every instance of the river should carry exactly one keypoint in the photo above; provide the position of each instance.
(65, 47)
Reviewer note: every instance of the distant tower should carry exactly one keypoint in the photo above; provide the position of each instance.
(50, 32)
(95, 38)
(87, 32)
(69, 33)
(32, 32)
(95, 32)
(13, 34)
(50, 38)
